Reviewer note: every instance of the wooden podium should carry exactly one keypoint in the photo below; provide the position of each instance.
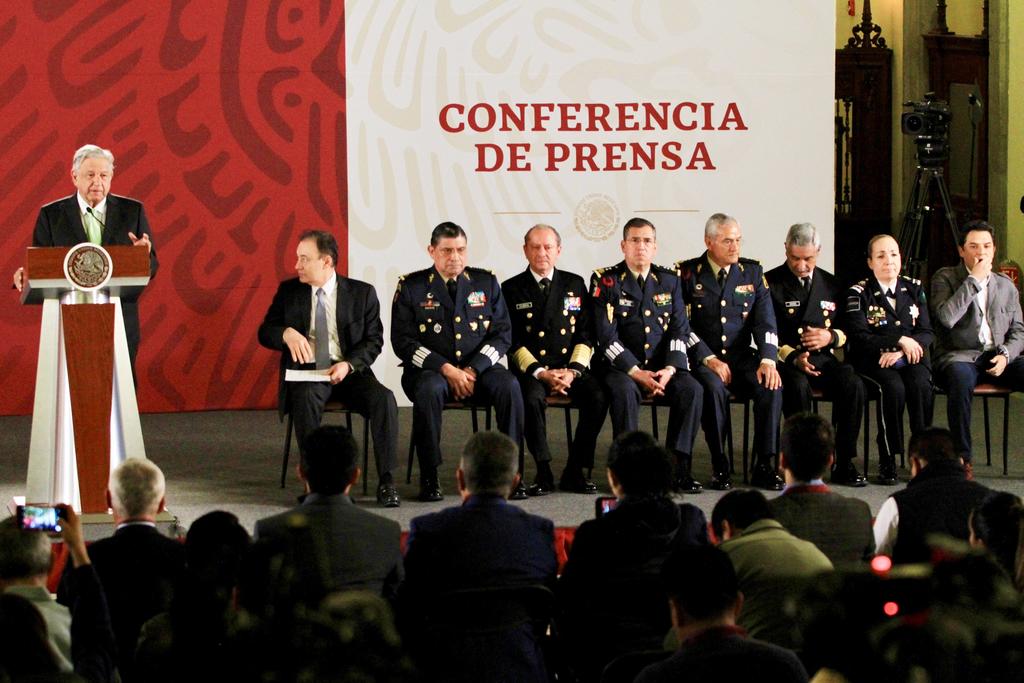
(85, 419)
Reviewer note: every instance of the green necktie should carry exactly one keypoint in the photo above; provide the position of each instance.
(92, 228)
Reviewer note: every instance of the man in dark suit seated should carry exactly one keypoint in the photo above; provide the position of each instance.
(938, 500)
(979, 332)
(484, 543)
(359, 550)
(610, 600)
(324, 320)
(839, 526)
(138, 566)
(705, 601)
(94, 215)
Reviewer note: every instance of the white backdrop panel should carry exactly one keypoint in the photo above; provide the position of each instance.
(405, 61)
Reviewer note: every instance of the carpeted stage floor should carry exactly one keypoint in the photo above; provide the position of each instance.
(232, 460)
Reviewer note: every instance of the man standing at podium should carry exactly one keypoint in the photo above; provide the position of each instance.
(94, 215)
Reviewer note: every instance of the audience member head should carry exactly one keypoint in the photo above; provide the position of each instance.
(136, 490)
(929, 446)
(24, 555)
(488, 466)
(807, 447)
(638, 467)
(702, 587)
(328, 462)
(996, 526)
(737, 510)
(215, 547)
(25, 649)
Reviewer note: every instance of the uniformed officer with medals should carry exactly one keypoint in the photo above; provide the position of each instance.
(729, 305)
(550, 355)
(450, 327)
(806, 300)
(642, 333)
(887, 321)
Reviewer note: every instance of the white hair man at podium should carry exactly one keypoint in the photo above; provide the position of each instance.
(94, 215)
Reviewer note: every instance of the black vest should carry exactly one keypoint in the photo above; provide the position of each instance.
(938, 500)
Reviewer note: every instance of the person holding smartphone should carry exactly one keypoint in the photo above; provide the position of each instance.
(25, 559)
(610, 593)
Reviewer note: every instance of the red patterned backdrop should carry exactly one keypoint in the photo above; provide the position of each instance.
(227, 119)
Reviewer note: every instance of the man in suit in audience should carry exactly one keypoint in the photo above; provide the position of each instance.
(450, 327)
(618, 556)
(807, 305)
(484, 543)
(979, 332)
(351, 339)
(94, 215)
(359, 550)
(642, 332)
(729, 307)
(938, 500)
(772, 564)
(839, 526)
(138, 566)
(550, 355)
(705, 602)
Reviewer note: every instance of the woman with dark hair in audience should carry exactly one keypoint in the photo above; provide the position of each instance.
(996, 526)
(191, 640)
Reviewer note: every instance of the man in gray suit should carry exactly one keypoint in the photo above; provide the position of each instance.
(979, 334)
(357, 549)
(808, 508)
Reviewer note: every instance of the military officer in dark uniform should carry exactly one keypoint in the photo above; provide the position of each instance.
(728, 304)
(551, 350)
(450, 327)
(641, 334)
(807, 308)
(890, 332)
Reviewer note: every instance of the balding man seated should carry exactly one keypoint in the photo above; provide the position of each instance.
(138, 566)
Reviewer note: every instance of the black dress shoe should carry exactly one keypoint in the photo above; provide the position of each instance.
(887, 473)
(576, 483)
(430, 491)
(519, 492)
(540, 488)
(721, 482)
(684, 483)
(847, 475)
(765, 477)
(387, 496)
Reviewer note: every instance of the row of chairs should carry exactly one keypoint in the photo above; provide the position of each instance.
(984, 391)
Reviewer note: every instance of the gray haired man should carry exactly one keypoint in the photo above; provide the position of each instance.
(807, 301)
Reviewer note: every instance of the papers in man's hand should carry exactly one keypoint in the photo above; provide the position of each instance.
(307, 375)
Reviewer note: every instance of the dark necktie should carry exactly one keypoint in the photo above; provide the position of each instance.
(452, 286)
(722, 274)
(640, 281)
(323, 336)
(545, 288)
(806, 282)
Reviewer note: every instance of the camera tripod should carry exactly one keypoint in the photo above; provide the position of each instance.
(912, 245)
